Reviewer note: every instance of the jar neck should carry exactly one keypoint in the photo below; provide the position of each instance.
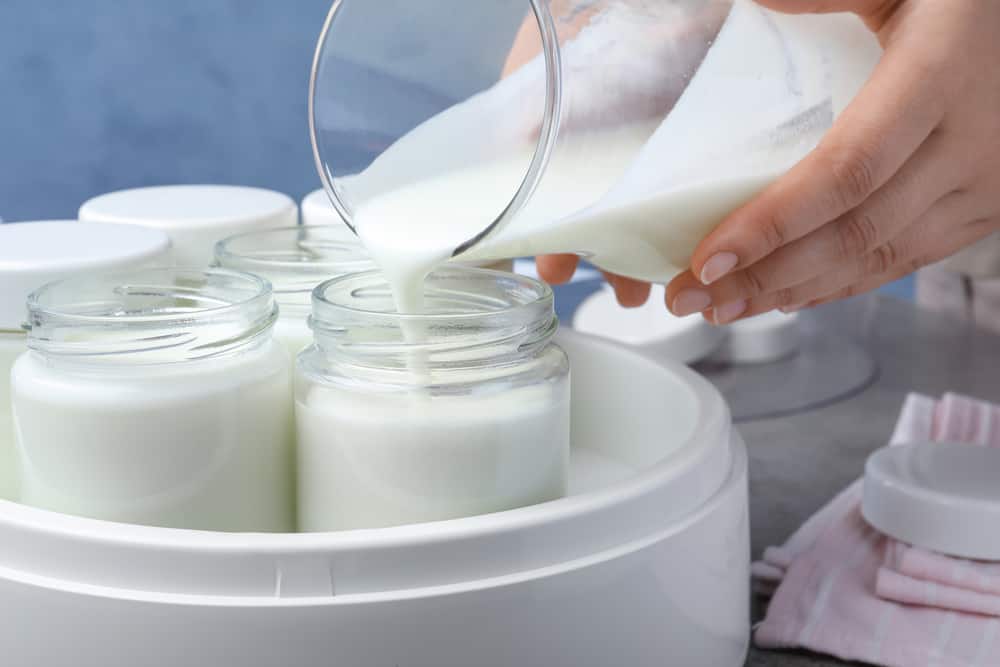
(474, 319)
(155, 316)
(295, 260)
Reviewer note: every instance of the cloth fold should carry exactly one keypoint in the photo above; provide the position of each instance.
(842, 588)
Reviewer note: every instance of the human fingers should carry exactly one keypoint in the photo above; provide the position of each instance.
(874, 12)
(556, 269)
(923, 180)
(892, 116)
(934, 236)
(974, 232)
(629, 292)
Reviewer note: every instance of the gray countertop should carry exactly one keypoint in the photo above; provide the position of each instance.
(799, 462)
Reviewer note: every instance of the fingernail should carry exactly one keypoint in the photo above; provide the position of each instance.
(728, 312)
(690, 301)
(788, 310)
(717, 266)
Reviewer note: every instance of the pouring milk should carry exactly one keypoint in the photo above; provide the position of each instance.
(634, 199)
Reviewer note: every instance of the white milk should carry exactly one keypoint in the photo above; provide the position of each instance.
(35, 253)
(480, 424)
(414, 228)
(649, 237)
(157, 397)
(12, 345)
(370, 460)
(635, 199)
(206, 445)
(293, 333)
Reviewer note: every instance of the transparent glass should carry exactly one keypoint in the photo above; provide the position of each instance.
(623, 130)
(294, 260)
(157, 397)
(12, 345)
(409, 418)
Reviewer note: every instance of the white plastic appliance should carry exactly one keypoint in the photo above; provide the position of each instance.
(645, 563)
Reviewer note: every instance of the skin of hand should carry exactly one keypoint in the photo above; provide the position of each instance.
(908, 175)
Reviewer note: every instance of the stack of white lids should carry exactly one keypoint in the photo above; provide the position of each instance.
(195, 217)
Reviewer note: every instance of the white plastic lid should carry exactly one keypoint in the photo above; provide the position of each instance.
(941, 497)
(195, 217)
(762, 339)
(651, 326)
(35, 253)
(317, 210)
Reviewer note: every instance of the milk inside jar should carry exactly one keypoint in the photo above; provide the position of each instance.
(157, 397)
(470, 417)
(294, 260)
(627, 142)
(34, 253)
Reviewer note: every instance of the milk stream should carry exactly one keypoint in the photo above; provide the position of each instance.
(634, 199)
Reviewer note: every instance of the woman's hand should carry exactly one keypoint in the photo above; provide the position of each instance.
(908, 175)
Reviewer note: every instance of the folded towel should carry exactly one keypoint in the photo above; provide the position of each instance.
(932, 567)
(916, 423)
(842, 588)
(917, 576)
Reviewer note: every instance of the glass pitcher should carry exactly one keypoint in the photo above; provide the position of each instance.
(621, 130)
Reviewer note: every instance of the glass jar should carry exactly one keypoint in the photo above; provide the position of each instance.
(460, 411)
(621, 130)
(12, 344)
(35, 253)
(294, 260)
(157, 397)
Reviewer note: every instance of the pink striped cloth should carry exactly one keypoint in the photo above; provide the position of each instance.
(841, 588)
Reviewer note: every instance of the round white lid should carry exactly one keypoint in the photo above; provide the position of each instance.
(652, 326)
(317, 210)
(941, 497)
(761, 339)
(35, 253)
(178, 206)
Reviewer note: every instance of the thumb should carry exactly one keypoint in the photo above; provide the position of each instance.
(874, 12)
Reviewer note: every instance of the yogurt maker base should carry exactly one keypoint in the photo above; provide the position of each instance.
(645, 563)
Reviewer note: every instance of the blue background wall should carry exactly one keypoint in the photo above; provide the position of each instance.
(97, 95)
